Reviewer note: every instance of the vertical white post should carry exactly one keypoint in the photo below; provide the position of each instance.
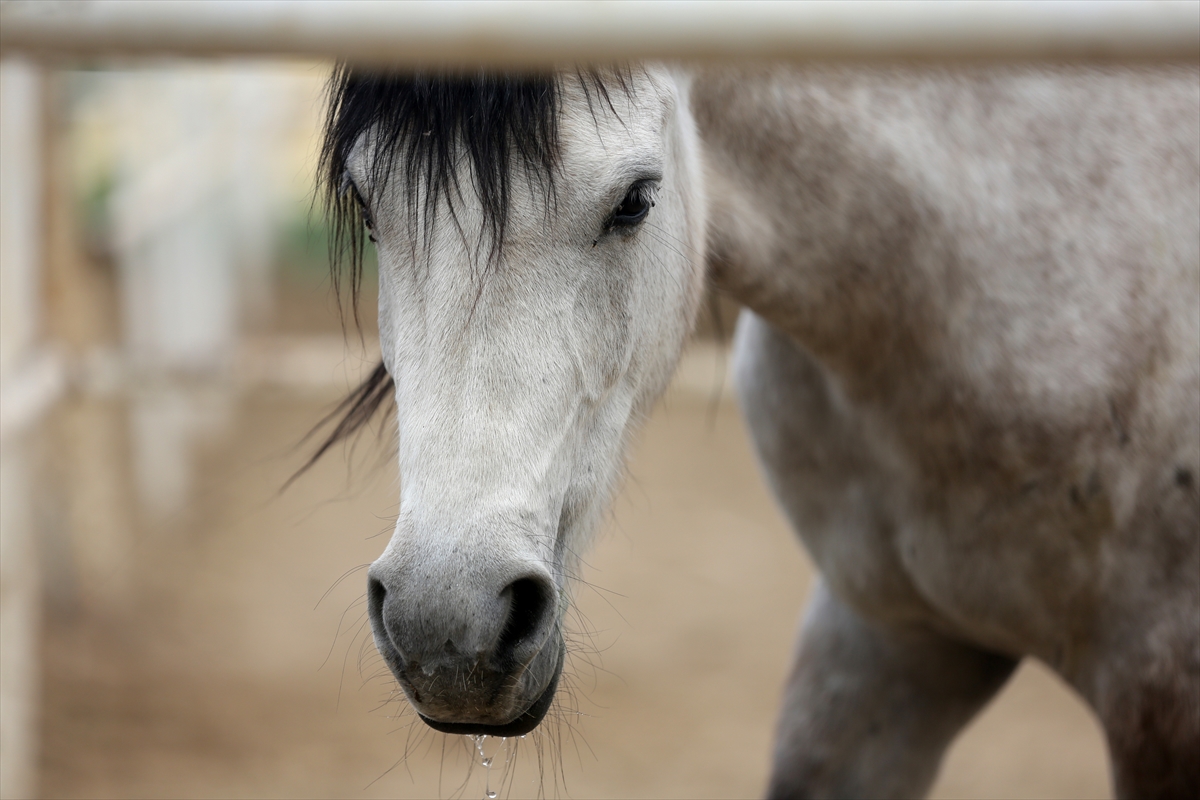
(177, 256)
(20, 240)
(20, 204)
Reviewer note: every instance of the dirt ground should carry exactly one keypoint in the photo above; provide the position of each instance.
(235, 662)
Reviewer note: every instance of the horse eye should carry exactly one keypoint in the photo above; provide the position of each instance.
(634, 208)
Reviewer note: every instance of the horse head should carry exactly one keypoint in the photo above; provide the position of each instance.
(539, 241)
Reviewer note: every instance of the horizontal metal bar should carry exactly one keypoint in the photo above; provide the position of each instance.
(537, 34)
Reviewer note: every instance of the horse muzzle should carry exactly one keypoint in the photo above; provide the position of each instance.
(471, 658)
(523, 723)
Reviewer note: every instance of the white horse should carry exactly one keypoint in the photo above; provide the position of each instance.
(971, 366)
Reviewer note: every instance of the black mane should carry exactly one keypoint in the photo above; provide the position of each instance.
(421, 123)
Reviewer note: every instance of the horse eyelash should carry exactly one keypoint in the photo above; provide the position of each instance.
(366, 212)
(644, 191)
(348, 185)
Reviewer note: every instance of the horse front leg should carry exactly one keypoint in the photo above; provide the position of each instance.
(870, 709)
(1146, 690)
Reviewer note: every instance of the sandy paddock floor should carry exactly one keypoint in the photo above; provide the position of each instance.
(233, 663)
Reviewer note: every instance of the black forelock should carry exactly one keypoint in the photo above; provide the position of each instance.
(420, 125)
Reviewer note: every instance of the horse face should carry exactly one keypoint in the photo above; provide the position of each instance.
(518, 381)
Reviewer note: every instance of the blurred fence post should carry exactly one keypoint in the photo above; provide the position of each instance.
(29, 382)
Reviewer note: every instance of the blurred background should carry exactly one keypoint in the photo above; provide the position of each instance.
(177, 624)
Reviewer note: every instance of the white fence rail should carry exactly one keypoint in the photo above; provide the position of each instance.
(525, 33)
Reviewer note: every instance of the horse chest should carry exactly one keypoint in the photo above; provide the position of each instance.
(1001, 562)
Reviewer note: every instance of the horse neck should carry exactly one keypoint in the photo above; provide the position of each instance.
(808, 231)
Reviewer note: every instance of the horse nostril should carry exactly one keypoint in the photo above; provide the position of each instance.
(529, 603)
(376, 592)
